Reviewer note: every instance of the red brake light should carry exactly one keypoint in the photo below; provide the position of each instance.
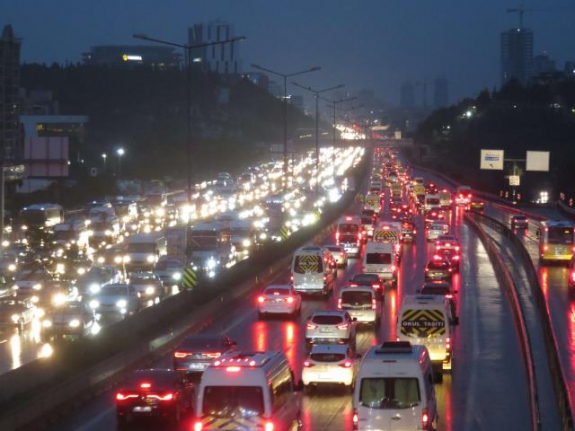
(181, 354)
(355, 419)
(373, 304)
(269, 426)
(233, 369)
(424, 418)
(121, 397)
(375, 286)
(448, 343)
(198, 426)
(346, 364)
(342, 327)
(145, 385)
(290, 299)
(261, 299)
(348, 218)
(437, 257)
(307, 364)
(456, 257)
(168, 397)
(449, 296)
(339, 303)
(310, 326)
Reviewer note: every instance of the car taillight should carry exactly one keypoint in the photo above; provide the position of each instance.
(448, 343)
(449, 296)
(376, 286)
(233, 369)
(573, 276)
(182, 354)
(198, 426)
(269, 426)
(261, 299)
(342, 327)
(355, 419)
(167, 397)
(373, 304)
(121, 397)
(545, 247)
(310, 326)
(339, 303)
(308, 364)
(456, 257)
(393, 268)
(290, 299)
(346, 364)
(291, 278)
(424, 418)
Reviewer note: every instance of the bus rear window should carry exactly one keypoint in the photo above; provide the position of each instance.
(389, 393)
(348, 228)
(560, 236)
(378, 258)
(233, 401)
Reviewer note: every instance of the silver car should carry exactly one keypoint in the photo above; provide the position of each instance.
(326, 326)
(115, 299)
(149, 286)
(74, 318)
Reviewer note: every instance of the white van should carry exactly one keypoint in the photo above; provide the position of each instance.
(248, 391)
(431, 202)
(313, 270)
(425, 320)
(380, 258)
(361, 303)
(348, 234)
(394, 389)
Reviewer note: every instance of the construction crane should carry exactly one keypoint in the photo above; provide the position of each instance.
(520, 10)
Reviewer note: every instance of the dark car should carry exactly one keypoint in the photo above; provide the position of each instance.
(371, 280)
(519, 222)
(476, 206)
(443, 288)
(438, 268)
(73, 318)
(16, 313)
(198, 351)
(164, 394)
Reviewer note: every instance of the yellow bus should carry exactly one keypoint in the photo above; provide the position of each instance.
(556, 241)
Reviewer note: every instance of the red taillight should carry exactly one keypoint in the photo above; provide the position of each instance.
(121, 397)
(355, 419)
(310, 326)
(373, 304)
(308, 364)
(449, 296)
(424, 418)
(167, 397)
(448, 343)
(393, 267)
(573, 276)
(233, 369)
(545, 247)
(456, 257)
(337, 238)
(145, 385)
(346, 364)
(291, 278)
(181, 354)
(261, 299)
(342, 327)
(269, 426)
(290, 299)
(376, 286)
(198, 426)
(339, 303)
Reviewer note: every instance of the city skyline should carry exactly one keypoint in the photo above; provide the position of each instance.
(377, 46)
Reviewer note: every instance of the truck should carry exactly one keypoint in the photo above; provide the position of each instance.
(144, 250)
(210, 247)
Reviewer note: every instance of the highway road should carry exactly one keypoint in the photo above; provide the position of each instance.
(486, 390)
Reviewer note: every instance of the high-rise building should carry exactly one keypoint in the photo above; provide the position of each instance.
(543, 64)
(516, 55)
(222, 59)
(407, 96)
(440, 92)
(9, 93)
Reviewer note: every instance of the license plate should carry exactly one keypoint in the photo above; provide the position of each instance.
(140, 409)
(279, 300)
(196, 366)
(325, 330)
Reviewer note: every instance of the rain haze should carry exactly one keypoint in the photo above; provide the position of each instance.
(372, 44)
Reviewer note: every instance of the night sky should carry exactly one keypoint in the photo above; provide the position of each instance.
(373, 44)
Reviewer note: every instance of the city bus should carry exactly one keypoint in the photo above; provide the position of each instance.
(556, 241)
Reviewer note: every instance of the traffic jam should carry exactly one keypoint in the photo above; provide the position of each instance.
(242, 386)
(70, 273)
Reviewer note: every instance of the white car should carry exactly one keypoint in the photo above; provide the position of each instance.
(149, 286)
(279, 299)
(327, 326)
(338, 253)
(329, 363)
(437, 229)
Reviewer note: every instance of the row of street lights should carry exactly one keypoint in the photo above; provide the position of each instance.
(119, 152)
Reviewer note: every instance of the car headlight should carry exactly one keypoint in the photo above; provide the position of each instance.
(108, 232)
(101, 259)
(15, 318)
(81, 271)
(59, 299)
(150, 290)
(74, 323)
(94, 288)
(122, 303)
(47, 323)
(94, 304)
(35, 299)
(151, 258)
(60, 268)
(177, 276)
(127, 259)
(12, 267)
(37, 286)
(211, 263)
(246, 243)
(118, 259)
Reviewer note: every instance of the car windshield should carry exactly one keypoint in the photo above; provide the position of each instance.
(348, 229)
(334, 249)
(378, 258)
(201, 342)
(168, 264)
(438, 264)
(232, 401)
(327, 320)
(327, 357)
(144, 278)
(365, 278)
(114, 290)
(308, 264)
(350, 297)
(142, 248)
(156, 379)
(389, 393)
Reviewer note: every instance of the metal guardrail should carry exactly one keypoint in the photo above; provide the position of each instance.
(551, 345)
(506, 280)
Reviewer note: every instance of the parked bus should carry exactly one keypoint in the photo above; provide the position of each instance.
(41, 216)
(556, 241)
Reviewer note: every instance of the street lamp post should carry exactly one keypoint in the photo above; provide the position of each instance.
(120, 152)
(285, 76)
(188, 60)
(316, 93)
(104, 156)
